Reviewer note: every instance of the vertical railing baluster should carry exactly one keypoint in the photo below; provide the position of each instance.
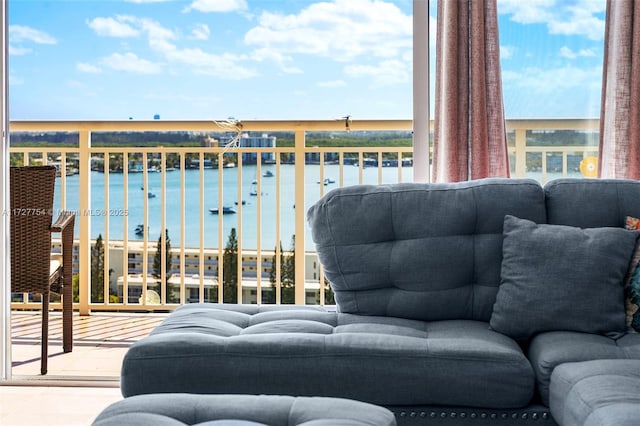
(278, 266)
(239, 230)
(125, 235)
(521, 153)
(145, 240)
(220, 235)
(300, 160)
(106, 239)
(182, 227)
(202, 230)
(258, 228)
(164, 274)
(84, 250)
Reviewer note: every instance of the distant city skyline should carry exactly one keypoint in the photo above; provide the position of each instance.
(278, 59)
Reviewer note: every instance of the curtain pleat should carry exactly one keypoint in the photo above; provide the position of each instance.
(619, 150)
(470, 139)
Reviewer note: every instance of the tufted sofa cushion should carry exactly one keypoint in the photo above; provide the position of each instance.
(419, 251)
(307, 351)
(549, 350)
(241, 410)
(592, 203)
(596, 393)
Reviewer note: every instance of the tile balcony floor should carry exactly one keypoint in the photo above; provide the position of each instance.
(79, 384)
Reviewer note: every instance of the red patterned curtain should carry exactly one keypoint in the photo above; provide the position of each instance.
(619, 153)
(470, 140)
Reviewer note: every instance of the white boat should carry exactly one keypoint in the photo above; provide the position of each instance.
(327, 181)
(225, 210)
(268, 173)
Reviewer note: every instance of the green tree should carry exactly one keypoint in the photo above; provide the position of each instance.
(157, 267)
(329, 296)
(97, 271)
(97, 275)
(288, 280)
(230, 269)
(270, 296)
(76, 288)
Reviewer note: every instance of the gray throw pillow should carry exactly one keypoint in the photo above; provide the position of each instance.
(557, 277)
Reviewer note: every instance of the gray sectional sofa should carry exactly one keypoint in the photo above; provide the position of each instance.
(455, 304)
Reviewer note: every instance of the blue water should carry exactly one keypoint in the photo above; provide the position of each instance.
(192, 210)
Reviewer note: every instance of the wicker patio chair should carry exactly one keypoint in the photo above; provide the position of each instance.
(33, 267)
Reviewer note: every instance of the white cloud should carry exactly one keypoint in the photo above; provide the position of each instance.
(88, 68)
(566, 52)
(217, 6)
(553, 80)
(158, 36)
(527, 12)
(201, 32)
(19, 50)
(21, 33)
(341, 30)
(580, 22)
(387, 72)
(110, 27)
(331, 83)
(225, 66)
(131, 63)
(563, 17)
(281, 60)
(162, 42)
(506, 52)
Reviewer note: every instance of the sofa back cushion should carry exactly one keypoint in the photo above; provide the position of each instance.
(419, 251)
(592, 203)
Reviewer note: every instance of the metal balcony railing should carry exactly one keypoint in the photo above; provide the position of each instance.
(166, 192)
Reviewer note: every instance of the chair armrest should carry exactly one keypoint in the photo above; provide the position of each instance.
(65, 219)
(64, 224)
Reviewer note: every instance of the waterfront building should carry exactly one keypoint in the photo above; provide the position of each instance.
(191, 271)
(248, 141)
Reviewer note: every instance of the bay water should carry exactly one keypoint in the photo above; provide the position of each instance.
(233, 196)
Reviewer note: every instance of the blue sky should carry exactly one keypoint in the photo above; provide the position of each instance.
(277, 59)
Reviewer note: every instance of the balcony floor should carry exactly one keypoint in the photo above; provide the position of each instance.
(100, 341)
(79, 384)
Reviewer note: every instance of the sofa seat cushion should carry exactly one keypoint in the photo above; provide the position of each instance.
(596, 393)
(549, 350)
(307, 351)
(241, 410)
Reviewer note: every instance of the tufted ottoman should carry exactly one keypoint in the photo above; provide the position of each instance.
(601, 392)
(241, 410)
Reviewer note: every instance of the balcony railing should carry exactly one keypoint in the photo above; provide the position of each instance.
(166, 192)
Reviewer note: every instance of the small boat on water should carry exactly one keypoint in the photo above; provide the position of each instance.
(149, 194)
(225, 210)
(327, 181)
(268, 173)
(139, 229)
